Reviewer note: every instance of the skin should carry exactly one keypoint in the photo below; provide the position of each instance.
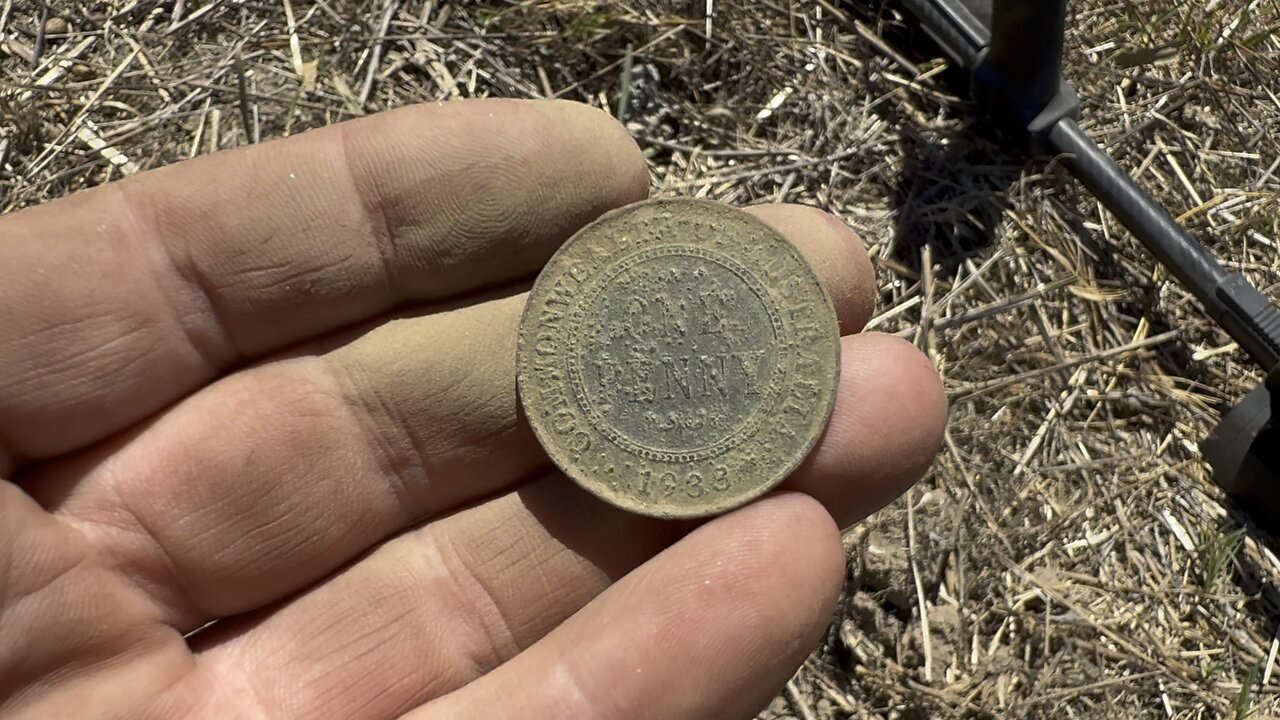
(275, 387)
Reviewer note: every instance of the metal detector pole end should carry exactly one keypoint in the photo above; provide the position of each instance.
(1244, 452)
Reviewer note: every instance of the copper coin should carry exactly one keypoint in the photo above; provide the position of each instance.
(678, 358)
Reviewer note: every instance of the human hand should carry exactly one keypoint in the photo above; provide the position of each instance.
(275, 388)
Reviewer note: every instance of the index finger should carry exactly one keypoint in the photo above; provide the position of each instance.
(120, 300)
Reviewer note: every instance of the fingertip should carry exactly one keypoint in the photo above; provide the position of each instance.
(805, 559)
(919, 380)
(711, 627)
(554, 141)
(762, 586)
(625, 157)
(884, 432)
(837, 255)
(780, 558)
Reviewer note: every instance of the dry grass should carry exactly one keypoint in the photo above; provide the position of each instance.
(1068, 556)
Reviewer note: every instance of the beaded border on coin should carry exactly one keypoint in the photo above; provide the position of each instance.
(788, 416)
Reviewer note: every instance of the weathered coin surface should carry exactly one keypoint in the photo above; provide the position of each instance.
(678, 358)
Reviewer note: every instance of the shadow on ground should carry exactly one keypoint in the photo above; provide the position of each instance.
(951, 197)
(953, 191)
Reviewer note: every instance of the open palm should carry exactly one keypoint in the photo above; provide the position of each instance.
(275, 388)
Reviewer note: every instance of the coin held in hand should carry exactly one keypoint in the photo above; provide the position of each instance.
(678, 358)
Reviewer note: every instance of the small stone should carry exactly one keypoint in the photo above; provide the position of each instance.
(884, 568)
(56, 26)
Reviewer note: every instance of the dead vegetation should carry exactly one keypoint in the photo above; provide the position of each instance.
(1068, 556)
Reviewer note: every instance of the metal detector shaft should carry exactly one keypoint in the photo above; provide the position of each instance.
(1229, 298)
(1013, 50)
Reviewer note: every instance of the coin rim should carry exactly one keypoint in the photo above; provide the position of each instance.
(598, 487)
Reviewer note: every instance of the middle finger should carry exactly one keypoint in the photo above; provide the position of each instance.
(270, 479)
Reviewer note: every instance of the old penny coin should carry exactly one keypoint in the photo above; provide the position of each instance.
(678, 358)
